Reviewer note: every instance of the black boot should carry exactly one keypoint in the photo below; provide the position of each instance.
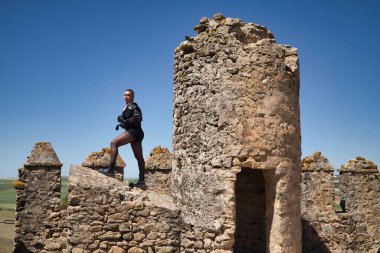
(110, 171)
(140, 183)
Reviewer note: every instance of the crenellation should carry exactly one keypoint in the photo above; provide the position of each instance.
(158, 167)
(38, 213)
(355, 228)
(102, 159)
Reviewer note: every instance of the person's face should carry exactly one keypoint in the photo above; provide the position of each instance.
(128, 97)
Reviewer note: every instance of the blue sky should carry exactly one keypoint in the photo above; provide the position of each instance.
(65, 64)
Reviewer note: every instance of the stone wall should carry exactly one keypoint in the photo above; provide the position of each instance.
(324, 229)
(317, 188)
(236, 107)
(40, 224)
(158, 168)
(104, 215)
(360, 189)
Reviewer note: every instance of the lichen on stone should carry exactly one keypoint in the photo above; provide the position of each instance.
(160, 158)
(316, 161)
(43, 154)
(18, 185)
(359, 164)
(102, 159)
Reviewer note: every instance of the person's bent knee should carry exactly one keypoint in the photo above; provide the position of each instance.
(114, 144)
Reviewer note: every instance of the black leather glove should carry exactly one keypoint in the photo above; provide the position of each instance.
(120, 119)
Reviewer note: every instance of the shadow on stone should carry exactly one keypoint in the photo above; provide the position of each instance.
(20, 248)
(250, 212)
(311, 242)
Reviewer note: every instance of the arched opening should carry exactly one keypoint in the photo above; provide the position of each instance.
(250, 233)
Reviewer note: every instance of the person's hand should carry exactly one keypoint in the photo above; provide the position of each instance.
(120, 118)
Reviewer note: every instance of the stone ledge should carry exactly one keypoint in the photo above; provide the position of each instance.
(87, 178)
(359, 171)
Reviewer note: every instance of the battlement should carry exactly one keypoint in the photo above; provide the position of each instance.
(324, 228)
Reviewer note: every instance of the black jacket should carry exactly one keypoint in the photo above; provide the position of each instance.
(131, 117)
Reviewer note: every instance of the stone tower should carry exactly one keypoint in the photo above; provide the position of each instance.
(236, 137)
(38, 214)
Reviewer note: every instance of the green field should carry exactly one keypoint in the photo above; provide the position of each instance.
(7, 213)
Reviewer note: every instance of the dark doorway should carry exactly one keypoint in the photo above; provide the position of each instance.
(250, 234)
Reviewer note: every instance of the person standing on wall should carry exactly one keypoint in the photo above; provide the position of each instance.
(130, 120)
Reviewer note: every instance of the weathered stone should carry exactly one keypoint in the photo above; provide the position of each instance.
(340, 232)
(118, 217)
(138, 237)
(43, 154)
(110, 236)
(236, 106)
(51, 245)
(97, 160)
(160, 158)
(187, 243)
(136, 250)
(116, 249)
(77, 250)
(38, 202)
(152, 236)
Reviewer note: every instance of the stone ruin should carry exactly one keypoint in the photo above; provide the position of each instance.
(236, 137)
(232, 182)
(354, 229)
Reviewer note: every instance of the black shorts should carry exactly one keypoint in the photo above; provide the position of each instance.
(137, 134)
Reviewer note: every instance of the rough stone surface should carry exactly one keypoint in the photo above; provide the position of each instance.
(106, 211)
(159, 158)
(98, 160)
(40, 223)
(158, 170)
(236, 106)
(43, 154)
(357, 229)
